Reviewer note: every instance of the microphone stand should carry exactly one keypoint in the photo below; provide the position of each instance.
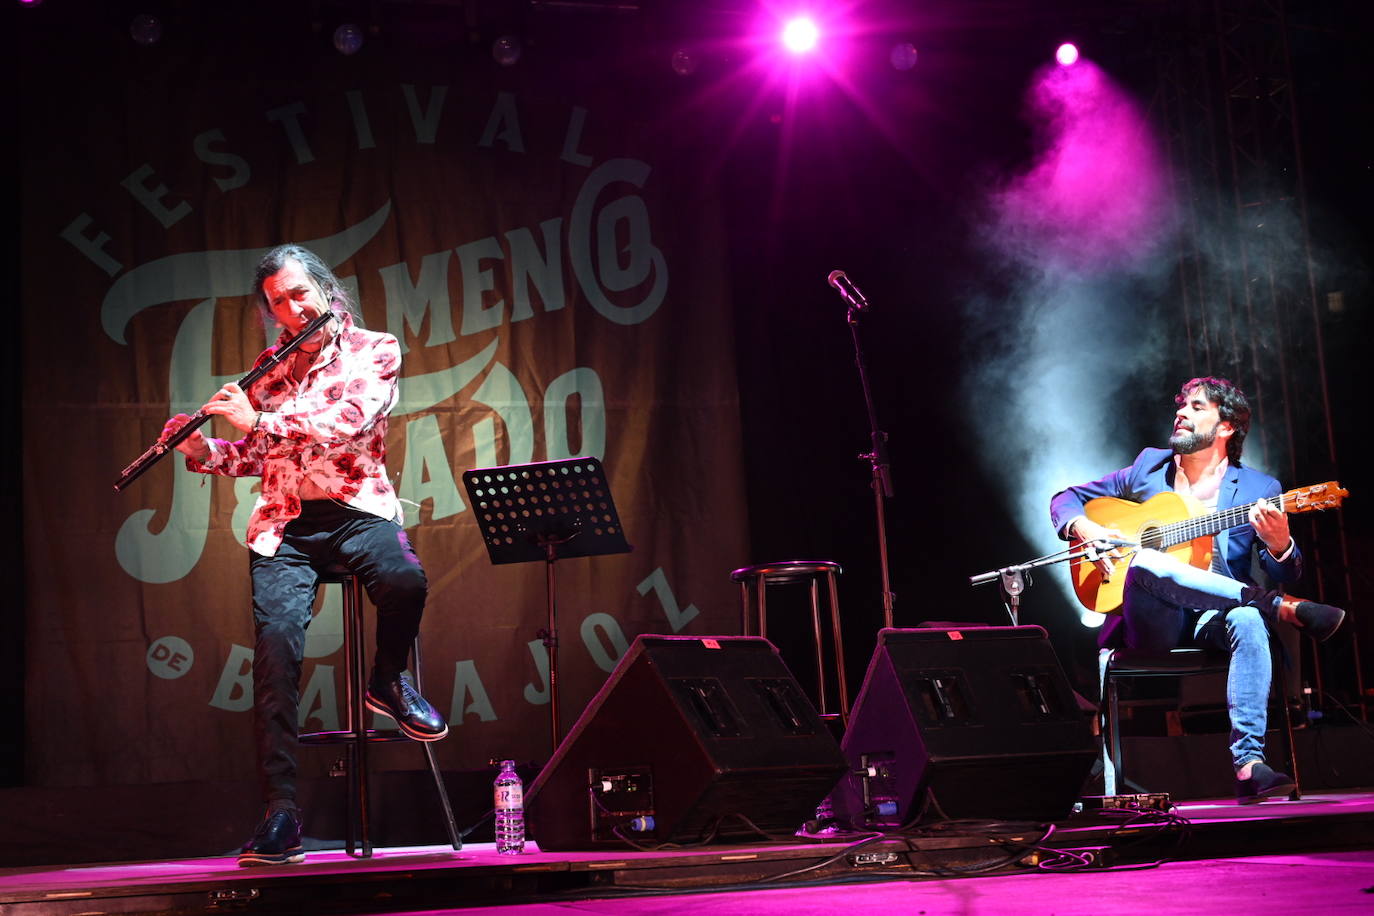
(880, 465)
(1012, 580)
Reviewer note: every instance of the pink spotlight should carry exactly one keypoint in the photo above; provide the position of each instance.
(800, 34)
(1067, 54)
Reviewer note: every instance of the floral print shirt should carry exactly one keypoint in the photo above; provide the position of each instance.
(329, 428)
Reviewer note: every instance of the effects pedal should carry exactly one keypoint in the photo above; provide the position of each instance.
(1144, 801)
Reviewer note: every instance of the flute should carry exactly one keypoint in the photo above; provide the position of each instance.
(198, 419)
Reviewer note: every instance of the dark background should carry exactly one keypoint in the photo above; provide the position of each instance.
(882, 176)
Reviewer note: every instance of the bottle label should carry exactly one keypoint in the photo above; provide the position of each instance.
(510, 797)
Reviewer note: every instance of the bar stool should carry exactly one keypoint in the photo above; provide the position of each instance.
(1114, 664)
(355, 736)
(792, 572)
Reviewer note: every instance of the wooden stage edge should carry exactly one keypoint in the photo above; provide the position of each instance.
(398, 879)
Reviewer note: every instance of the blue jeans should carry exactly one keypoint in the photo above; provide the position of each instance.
(1169, 604)
(325, 534)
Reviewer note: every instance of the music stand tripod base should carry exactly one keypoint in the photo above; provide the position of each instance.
(550, 511)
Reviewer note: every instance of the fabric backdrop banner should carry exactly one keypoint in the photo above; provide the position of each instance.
(549, 254)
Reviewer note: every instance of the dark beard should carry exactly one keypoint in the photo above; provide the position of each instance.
(1185, 442)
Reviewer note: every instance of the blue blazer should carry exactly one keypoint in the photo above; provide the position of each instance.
(1152, 473)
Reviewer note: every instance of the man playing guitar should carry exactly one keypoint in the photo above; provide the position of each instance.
(1167, 603)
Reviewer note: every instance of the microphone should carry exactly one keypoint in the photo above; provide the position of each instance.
(1119, 542)
(1098, 544)
(848, 291)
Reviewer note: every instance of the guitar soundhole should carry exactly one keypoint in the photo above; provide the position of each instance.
(1151, 539)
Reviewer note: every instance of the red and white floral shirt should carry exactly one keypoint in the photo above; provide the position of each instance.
(329, 428)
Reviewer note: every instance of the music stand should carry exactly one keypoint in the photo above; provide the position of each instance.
(549, 511)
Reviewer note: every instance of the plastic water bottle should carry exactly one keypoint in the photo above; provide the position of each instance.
(510, 810)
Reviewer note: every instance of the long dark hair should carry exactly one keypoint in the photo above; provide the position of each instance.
(339, 297)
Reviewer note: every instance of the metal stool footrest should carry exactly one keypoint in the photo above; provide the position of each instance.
(374, 736)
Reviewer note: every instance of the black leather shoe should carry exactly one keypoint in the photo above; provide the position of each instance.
(399, 699)
(1263, 783)
(1319, 620)
(277, 841)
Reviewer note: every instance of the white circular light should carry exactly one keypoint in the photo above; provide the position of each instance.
(684, 62)
(506, 50)
(800, 35)
(348, 39)
(145, 29)
(902, 56)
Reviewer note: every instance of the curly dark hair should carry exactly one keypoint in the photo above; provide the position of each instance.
(1232, 406)
(338, 296)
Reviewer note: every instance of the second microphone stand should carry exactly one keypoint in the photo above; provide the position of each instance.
(880, 465)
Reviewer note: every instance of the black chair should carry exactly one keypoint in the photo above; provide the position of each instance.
(1115, 664)
(355, 736)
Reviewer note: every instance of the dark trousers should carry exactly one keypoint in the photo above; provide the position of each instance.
(325, 535)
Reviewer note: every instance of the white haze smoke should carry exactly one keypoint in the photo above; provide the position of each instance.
(1078, 240)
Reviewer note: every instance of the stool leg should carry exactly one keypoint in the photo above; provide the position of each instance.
(357, 711)
(352, 718)
(816, 638)
(839, 648)
(744, 626)
(455, 840)
(759, 586)
(1110, 754)
(1277, 686)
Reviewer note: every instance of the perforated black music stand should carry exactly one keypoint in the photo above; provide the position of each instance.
(549, 511)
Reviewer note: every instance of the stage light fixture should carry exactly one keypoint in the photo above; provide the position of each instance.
(348, 39)
(902, 56)
(30, 2)
(145, 29)
(684, 62)
(800, 35)
(506, 50)
(1067, 54)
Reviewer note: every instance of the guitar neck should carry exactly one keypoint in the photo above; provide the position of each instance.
(1208, 525)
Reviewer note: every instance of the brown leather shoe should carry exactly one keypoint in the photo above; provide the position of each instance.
(1318, 620)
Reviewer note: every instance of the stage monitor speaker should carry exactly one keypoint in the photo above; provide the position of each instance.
(964, 723)
(688, 737)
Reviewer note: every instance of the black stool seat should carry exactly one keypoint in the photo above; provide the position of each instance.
(798, 572)
(356, 736)
(1167, 662)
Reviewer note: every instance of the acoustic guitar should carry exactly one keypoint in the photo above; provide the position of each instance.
(1178, 525)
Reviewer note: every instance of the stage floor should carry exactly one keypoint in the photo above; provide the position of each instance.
(1279, 857)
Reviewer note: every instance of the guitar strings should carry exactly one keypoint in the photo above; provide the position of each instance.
(1190, 529)
(1171, 535)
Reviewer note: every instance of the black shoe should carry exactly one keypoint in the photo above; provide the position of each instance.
(1263, 783)
(399, 699)
(1319, 620)
(277, 840)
